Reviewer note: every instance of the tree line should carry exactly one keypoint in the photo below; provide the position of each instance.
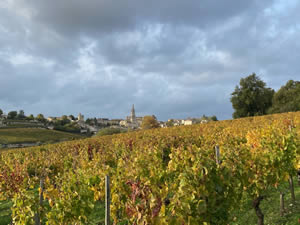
(253, 98)
(15, 115)
(63, 123)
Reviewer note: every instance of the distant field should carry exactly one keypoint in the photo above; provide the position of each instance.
(33, 135)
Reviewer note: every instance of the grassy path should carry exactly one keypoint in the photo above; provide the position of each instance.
(270, 208)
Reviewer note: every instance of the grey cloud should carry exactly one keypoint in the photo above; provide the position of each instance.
(171, 58)
(23, 87)
(107, 16)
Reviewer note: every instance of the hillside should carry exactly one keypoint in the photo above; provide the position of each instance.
(161, 176)
(33, 135)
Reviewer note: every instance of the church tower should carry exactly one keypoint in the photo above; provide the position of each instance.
(80, 117)
(132, 116)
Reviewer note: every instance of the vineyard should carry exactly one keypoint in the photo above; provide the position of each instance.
(159, 176)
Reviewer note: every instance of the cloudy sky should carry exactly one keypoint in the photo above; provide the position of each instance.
(171, 58)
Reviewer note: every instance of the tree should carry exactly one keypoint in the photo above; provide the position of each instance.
(30, 117)
(41, 118)
(170, 123)
(12, 114)
(213, 118)
(95, 121)
(251, 98)
(287, 98)
(72, 117)
(21, 114)
(1, 112)
(204, 117)
(88, 121)
(149, 122)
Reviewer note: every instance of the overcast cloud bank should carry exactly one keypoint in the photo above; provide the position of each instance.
(171, 58)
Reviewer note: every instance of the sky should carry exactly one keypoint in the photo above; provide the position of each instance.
(171, 58)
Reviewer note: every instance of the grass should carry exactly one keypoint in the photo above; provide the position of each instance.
(244, 216)
(98, 215)
(5, 213)
(34, 135)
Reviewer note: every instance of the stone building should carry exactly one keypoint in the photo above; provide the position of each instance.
(80, 117)
(132, 121)
(103, 121)
(114, 122)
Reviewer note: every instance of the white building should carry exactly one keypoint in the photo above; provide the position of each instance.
(188, 122)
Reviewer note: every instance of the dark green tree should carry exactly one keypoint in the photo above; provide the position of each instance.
(1, 112)
(30, 117)
(12, 114)
(251, 98)
(88, 121)
(213, 118)
(287, 98)
(21, 114)
(72, 117)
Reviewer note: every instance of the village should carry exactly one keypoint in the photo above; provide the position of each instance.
(90, 125)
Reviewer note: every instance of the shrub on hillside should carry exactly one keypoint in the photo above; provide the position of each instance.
(110, 131)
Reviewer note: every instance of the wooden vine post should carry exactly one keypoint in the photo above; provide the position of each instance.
(217, 149)
(281, 204)
(42, 191)
(107, 200)
(292, 190)
(37, 219)
(291, 182)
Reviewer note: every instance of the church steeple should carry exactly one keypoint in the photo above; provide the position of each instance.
(132, 116)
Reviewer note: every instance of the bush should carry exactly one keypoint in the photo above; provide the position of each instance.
(110, 131)
(68, 128)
